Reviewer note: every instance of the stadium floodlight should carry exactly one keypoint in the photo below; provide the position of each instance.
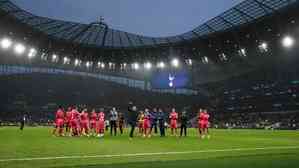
(32, 53)
(6, 43)
(175, 62)
(65, 60)
(135, 66)
(288, 42)
(88, 64)
(148, 65)
(123, 66)
(205, 60)
(242, 52)
(263, 47)
(223, 57)
(54, 58)
(103, 65)
(161, 65)
(110, 65)
(77, 62)
(19, 49)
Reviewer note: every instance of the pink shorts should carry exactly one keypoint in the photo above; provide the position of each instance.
(74, 124)
(59, 123)
(146, 124)
(203, 125)
(173, 124)
(101, 125)
(93, 124)
(84, 124)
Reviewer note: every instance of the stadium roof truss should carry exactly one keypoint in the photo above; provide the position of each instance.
(100, 35)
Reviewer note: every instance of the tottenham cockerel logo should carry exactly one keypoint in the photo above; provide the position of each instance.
(171, 80)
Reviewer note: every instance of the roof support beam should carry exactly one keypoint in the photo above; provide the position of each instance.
(244, 15)
(75, 36)
(210, 28)
(264, 6)
(226, 21)
(105, 34)
(64, 29)
(139, 38)
(28, 18)
(56, 26)
(72, 31)
(43, 23)
(129, 39)
(97, 36)
(87, 38)
(196, 34)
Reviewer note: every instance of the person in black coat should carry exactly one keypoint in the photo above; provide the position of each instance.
(22, 121)
(161, 121)
(132, 120)
(184, 122)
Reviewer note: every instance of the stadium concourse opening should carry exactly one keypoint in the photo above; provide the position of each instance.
(225, 94)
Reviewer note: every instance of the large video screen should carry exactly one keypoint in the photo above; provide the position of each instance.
(168, 79)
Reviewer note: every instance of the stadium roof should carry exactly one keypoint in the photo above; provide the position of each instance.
(99, 34)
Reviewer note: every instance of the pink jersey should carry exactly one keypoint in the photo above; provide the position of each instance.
(84, 116)
(101, 116)
(173, 116)
(93, 116)
(59, 114)
(206, 117)
(75, 115)
(201, 117)
(68, 116)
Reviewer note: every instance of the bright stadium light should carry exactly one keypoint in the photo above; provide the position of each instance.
(65, 60)
(77, 62)
(32, 53)
(103, 65)
(123, 66)
(6, 43)
(223, 57)
(110, 65)
(147, 65)
(161, 65)
(242, 52)
(19, 49)
(205, 60)
(135, 66)
(288, 42)
(99, 64)
(88, 64)
(54, 58)
(175, 62)
(263, 47)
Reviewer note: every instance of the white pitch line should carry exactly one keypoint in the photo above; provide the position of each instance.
(149, 154)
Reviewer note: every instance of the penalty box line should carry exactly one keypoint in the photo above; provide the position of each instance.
(149, 154)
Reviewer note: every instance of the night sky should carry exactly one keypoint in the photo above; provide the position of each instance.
(146, 17)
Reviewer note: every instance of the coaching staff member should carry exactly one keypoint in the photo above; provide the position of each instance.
(133, 115)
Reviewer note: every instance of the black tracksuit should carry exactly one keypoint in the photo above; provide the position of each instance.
(184, 120)
(133, 115)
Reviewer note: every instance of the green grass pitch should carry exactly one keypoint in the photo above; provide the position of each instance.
(225, 149)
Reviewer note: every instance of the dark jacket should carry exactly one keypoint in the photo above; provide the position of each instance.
(184, 119)
(133, 115)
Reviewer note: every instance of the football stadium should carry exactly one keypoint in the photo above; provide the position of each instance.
(224, 94)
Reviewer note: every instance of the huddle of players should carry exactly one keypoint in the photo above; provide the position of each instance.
(78, 124)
